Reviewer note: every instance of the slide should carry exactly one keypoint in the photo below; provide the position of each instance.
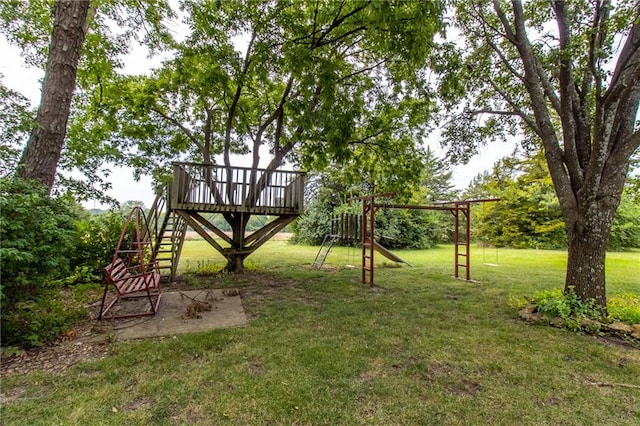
(389, 254)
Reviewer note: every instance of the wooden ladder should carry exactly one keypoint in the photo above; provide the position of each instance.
(368, 242)
(461, 213)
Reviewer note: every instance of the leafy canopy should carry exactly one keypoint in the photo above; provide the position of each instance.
(311, 82)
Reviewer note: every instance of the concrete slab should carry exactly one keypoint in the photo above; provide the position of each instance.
(183, 312)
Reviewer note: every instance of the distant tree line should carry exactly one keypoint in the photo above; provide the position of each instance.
(527, 216)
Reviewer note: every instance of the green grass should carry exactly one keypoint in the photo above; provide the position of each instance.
(321, 348)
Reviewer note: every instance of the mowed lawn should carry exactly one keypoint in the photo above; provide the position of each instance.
(322, 349)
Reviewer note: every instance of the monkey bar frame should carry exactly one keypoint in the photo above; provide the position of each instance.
(460, 209)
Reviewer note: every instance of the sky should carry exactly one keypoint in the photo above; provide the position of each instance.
(27, 81)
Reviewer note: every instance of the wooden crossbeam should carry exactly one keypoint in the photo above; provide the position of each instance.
(212, 227)
(265, 233)
(200, 230)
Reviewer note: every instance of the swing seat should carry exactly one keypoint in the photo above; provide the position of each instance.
(128, 282)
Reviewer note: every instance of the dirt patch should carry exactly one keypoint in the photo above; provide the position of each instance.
(626, 342)
(53, 358)
(464, 387)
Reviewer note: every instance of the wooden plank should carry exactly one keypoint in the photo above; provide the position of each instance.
(264, 234)
(212, 227)
(196, 227)
(201, 187)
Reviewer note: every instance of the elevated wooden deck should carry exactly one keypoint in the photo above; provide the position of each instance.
(217, 189)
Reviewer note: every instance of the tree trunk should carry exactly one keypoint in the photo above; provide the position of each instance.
(236, 254)
(588, 238)
(235, 263)
(40, 158)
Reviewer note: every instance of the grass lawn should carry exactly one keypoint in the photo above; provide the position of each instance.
(321, 348)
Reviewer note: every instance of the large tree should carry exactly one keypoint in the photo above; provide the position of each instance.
(76, 42)
(569, 74)
(312, 82)
(40, 157)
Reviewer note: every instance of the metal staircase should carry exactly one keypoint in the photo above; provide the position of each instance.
(325, 248)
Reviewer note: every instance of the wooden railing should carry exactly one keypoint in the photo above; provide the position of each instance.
(211, 188)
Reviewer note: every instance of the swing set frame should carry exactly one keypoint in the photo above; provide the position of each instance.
(460, 209)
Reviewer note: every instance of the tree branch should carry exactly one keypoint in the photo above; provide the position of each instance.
(517, 110)
(341, 36)
(535, 88)
(236, 99)
(178, 124)
(263, 127)
(363, 70)
(627, 61)
(365, 139)
(337, 21)
(569, 104)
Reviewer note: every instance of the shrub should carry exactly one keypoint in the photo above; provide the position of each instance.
(625, 229)
(398, 229)
(95, 241)
(313, 225)
(42, 319)
(566, 305)
(624, 307)
(37, 235)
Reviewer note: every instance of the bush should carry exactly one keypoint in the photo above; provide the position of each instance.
(624, 307)
(554, 303)
(95, 241)
(41, 244)
(566, 305)
(42, 319)
(399, 229)
(313, 225)
(37, 236)
(625, 229)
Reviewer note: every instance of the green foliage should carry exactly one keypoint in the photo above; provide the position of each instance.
(45, 246)
(44, 318)
(528, 214)
(15, 125)
(536, 70)
(624, 307)
(330, 190)
(566, 305)
(396, 228)
(314, 82)
(313, 225)
(113, 29)
(37, 236)
(625, 229)
(94, 242)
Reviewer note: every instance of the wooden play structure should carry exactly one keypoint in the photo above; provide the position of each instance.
(199, 190)
(133, 273)
(149, 250)
(346, 230)
(461, 211)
